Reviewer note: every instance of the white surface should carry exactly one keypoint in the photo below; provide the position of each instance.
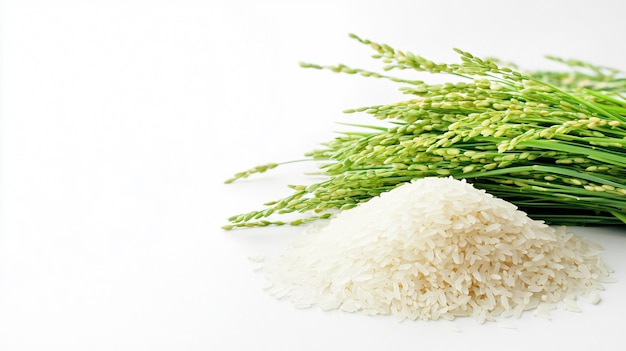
(121, 119)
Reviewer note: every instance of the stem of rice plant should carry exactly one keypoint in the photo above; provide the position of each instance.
(550, 142)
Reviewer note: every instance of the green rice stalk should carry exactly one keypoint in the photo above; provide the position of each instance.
(553, 143)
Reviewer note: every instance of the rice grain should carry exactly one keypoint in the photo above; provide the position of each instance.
(438, 248)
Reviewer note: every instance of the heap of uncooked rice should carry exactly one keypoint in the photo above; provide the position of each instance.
(437, 248)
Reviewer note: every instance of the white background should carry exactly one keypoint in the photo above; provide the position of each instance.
(121, 119)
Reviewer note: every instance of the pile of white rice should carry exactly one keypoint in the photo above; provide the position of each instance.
(438, 248)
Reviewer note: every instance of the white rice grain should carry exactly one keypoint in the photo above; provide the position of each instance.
(437, 248)
(507, 325)
(453, 327)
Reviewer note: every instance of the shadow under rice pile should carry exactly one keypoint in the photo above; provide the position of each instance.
(438, 248)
